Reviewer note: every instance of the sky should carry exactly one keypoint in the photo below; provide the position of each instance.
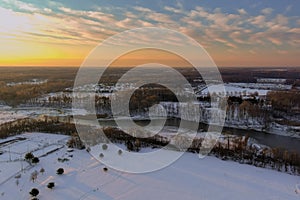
(234, 33)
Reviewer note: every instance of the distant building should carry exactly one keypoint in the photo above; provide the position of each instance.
(271, 80)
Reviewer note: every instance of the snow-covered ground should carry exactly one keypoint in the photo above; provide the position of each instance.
(8, 116)
(187, 178)
(13, 151)
(30, 82)
(234, 90)
(268, 86)
(3, 106)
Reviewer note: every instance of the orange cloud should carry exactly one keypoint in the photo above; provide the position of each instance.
(43, 36)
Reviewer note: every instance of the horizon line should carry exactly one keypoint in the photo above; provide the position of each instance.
(64, 66)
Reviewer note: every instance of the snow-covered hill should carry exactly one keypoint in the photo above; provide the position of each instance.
(84, 177)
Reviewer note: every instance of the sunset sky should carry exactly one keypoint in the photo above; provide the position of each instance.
(235, 33)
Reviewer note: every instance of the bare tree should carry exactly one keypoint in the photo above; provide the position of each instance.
(33, 176)
(17, 182)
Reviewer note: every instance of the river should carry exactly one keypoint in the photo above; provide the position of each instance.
(272, 140)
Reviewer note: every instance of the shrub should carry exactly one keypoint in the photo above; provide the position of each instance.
(60, 171)
(104, 146)
(137, 145)
(34, 192)
(101, 155)
(88, 149)
(129, 146)
(35, 160)
(62, 159)
(29, 156)
(42, 170)
(51, 185)
(75, 142)
(120, 152)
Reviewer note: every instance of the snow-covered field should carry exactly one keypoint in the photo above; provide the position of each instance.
(244, 89)
(187, 178)
(8, 116)
(30, 82)
(268, 86)
(234, 90)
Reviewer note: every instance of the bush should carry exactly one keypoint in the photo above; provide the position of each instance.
(29, 156)
(60, 171)
(105, 169)
(104, 146)
(129, 146)
(75, 142)
(137, 145)
(120, 152)
(88, 149)
(35, 160)
(101, 155)
(51, 185)
(42, 170)
(34, 192)
(62, 159)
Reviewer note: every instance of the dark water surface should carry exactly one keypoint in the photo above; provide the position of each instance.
(271, 140)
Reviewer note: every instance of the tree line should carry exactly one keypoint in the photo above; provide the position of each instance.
(234, 148)
(18, 94)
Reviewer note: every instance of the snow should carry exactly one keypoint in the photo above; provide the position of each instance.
(297, 189)
(234, 90)
(187, 178)
(30, 82)
(9, 169)
(284, 130)
(37, 143)
(268, 86)
(271, 80)
(4, 107)
(9, 116)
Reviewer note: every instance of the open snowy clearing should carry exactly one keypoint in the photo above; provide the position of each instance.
(187, 178)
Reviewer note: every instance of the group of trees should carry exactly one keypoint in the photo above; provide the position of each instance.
(119, 136)
(286, 101)
(63, 100)
(35, 125)
(75, 142)
(249, 112)
(31, 158)
(146, 96)
(133, 145)
(234, 148)
(34, 191)
(17, 94)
